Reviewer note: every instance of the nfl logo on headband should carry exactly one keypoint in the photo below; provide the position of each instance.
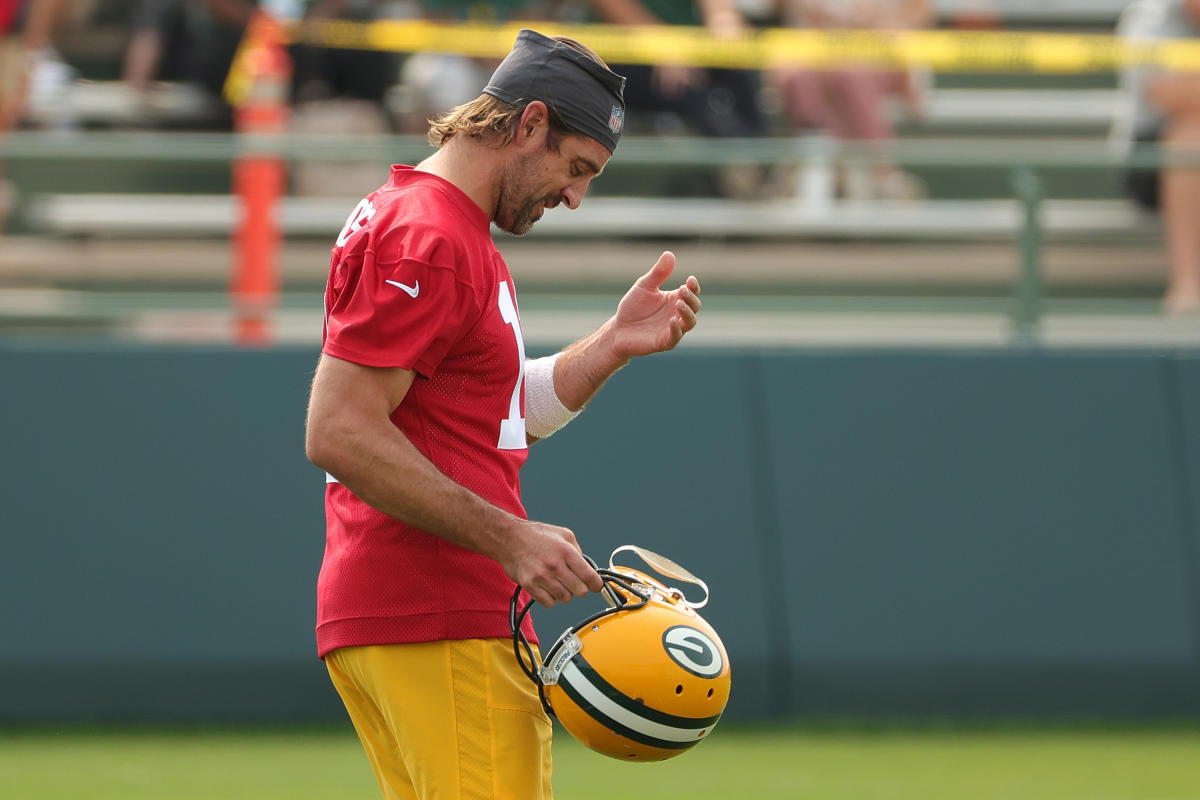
(616, 119)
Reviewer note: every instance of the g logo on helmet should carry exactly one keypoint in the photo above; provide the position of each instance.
(692, 650)
(645, 679)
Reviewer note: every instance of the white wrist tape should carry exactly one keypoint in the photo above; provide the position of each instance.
(544, 412)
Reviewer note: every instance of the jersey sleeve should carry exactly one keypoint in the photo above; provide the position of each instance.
(403, 313)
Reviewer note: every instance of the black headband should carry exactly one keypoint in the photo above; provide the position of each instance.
(588, 97)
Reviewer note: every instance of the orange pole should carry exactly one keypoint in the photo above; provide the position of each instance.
(259, 180)
(259, 183)
(977, 15)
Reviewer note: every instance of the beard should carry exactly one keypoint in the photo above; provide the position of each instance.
(517, 206)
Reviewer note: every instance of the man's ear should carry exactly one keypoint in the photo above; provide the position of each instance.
(533, 125)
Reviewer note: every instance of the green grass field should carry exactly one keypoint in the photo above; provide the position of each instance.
(743, 763)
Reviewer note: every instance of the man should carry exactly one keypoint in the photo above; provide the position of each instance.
(1164, 108)
(851, 103)
(25, 29)
(712, 102)
(422, 408)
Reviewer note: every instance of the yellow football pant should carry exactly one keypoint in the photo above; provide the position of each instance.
(454, 720)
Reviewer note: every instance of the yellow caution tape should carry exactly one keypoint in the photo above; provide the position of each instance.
(939, 50)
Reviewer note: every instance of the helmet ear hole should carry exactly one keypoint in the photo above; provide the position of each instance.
(679, 689)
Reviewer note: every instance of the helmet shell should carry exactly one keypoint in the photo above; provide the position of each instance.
(647, 684)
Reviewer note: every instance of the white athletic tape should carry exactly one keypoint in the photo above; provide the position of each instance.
(544, 412)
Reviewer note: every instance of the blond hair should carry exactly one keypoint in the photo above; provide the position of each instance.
(494, 121)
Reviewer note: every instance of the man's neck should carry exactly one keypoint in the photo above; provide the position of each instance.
(469, 166)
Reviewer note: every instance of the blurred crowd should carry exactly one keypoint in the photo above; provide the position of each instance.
(1161, 108)
(163, 63)
(168, 61)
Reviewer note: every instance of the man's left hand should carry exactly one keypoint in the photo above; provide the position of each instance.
(651, 320)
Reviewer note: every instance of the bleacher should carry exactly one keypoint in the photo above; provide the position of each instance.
(966, 199)
(1024, 213)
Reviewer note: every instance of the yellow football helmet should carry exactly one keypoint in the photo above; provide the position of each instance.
(646, 678)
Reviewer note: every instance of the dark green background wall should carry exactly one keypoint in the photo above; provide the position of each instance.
(883, 532)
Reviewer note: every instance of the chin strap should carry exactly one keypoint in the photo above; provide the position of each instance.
(665, 567)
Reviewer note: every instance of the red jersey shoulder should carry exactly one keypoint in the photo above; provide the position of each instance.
(414, 269)
(419, 222)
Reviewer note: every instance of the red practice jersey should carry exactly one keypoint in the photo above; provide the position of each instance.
(416, 282)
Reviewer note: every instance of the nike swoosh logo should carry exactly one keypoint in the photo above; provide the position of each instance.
(411, 291)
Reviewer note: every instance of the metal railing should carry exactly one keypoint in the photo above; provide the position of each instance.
(1025, 161)
(633, 151)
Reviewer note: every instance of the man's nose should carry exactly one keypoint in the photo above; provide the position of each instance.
(572, 194)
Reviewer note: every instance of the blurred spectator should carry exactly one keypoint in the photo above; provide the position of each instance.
(154, 22)
(334, 90)
(852, 104)
(711, 102)
(433, 83)
(1164, 108)
(195, 41)
(189, 41)
(25, 30)
(324, 73)
(342, 92)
